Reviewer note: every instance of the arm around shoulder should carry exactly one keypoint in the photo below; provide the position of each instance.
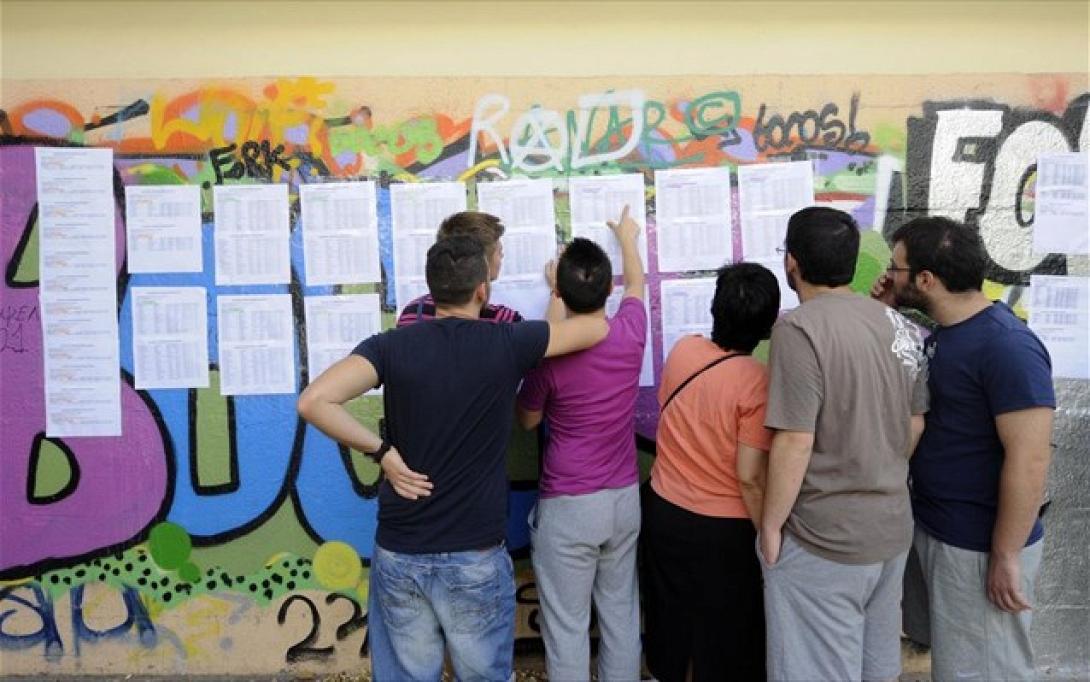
(574, 334)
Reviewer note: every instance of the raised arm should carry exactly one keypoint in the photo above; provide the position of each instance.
(1025, 435)
(322, 404)
(556, 310)
(627, 230)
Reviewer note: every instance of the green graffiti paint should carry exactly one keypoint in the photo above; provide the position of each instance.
(170, 545)
(214, 453)
(189, 572)
(53, 471)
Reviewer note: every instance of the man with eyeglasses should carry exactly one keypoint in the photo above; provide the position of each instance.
(978, 474)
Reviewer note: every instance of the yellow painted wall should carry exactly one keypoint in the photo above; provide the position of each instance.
(198, 38)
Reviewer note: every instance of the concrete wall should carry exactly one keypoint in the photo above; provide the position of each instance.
(220, 535)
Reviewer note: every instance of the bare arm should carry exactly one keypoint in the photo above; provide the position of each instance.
(752, 465)
(915, 431)
(575, 333)
(528, 419)
(322, 404)
(787, 464)
(1025, 435)
(556, 311)
(627, 230)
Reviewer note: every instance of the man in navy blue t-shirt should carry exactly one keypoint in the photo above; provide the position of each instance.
(978, 473)
(440, 573)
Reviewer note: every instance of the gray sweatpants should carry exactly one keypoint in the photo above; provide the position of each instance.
(831, 621)
(584, 546)
(972, 639)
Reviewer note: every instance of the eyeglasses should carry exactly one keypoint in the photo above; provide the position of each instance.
(893, 268)
(781, 250)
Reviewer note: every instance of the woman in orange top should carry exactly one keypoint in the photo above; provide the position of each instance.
(703, 606)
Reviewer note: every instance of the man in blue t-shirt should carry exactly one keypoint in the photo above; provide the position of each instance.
(978, 473)
(440, 573)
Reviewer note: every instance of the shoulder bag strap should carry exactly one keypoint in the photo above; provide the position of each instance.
(697, 373)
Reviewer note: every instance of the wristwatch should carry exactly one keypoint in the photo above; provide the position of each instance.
(377, 455)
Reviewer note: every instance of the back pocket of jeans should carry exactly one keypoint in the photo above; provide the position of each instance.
(474, 592)
(400, 601)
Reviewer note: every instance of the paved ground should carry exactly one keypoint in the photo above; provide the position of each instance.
(530, 667)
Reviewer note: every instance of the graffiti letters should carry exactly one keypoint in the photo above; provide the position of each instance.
(810, 128)
(604, 127)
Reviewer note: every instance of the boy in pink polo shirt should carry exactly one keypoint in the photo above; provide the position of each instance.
(584, 528)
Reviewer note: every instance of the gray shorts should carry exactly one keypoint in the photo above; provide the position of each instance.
(971, 639)
(831, 621)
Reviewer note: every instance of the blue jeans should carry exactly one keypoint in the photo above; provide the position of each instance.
(419, 602)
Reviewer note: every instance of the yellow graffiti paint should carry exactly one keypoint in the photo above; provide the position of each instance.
(337, 566)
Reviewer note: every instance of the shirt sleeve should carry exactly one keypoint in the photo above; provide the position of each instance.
(530, 341)
(632, 314)
(795, 391)
(373, 349)
(1018, 373)
(751, 416)
(921, 394)
(536, 388)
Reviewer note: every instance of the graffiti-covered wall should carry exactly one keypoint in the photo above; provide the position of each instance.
(220, 534)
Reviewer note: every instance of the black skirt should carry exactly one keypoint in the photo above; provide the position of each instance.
(703, 601)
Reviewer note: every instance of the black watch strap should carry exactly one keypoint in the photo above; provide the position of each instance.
(377, 455)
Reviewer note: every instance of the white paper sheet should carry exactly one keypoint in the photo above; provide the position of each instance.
(692, 219)
(78, 291)
(768, 194)
(529, 218)
(1061, 221)
(686, 309)
(417, 210)
(1059, 314)
(594, 200)
(256, 348)
(530, 298)
(788, 298)
(529, 241)
(336, 325)
(170, 337)
(252, 234)
(340, 233)
(647, 369)
(163, 228)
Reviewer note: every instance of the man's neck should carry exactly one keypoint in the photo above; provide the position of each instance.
(469, 311)
(949, 309)
(807, 291)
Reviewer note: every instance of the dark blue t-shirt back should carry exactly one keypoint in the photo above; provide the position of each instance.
(449, 396)
(981, 367)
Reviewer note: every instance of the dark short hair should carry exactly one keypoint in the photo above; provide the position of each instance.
(825, 244)
(455, 267)
(584, 277)
(745, 306)
(950, 250)
(485, 227)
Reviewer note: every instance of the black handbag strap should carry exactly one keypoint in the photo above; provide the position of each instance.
(697, 373)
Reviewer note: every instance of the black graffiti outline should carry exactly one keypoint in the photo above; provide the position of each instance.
(302, 650)
(233, 481)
